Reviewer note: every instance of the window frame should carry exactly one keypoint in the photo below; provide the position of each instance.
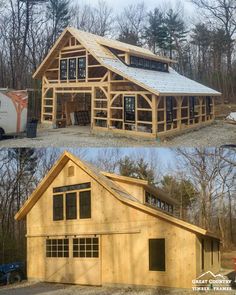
(129, 109)
(83, 215)
(81, 68)
(76, 192)
(160, 265)
(169, 109)
(62, 60)
(53, 247)
(74, 68)
(69, 207)
(86, 249)
(56, 197)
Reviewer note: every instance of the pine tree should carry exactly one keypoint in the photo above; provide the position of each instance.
(156, 31)
(58, 13)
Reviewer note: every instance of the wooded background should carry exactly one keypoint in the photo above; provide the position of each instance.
(203, 44)
(202, 180)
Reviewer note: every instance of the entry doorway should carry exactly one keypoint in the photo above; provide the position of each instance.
(73, 109)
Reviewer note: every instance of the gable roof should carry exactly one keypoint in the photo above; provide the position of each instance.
(112, 187)
(159, 83)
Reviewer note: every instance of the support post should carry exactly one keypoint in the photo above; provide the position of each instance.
(154, 114)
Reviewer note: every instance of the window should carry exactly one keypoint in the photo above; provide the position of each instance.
(86, 247)
(154, 201)
(157, 255)
(57, 248)
(71, 206)
(169, 109)
(85, 204)
(218, 250)
(72, 68)
(73, 187)
(203, 250)
(129, 103)
(63, 69)
(148, 64)
(191, 107)
(81, 68)
(208, 105)
(58, 207)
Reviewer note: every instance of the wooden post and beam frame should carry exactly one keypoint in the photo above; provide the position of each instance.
(52, 86)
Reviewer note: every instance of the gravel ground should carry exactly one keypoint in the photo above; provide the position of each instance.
(26, 288)
(217, 134)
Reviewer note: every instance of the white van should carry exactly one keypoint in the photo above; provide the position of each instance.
(13, 111)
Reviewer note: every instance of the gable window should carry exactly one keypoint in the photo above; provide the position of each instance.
(208, 105)
(86, 247)
(129, 108)
(191, 107)
(72, 68)
(63, 69)
(157, 255)
(71, 206)
(57, 248)
(169, 109)
(58, 207)
(85, 204)
(81, 68)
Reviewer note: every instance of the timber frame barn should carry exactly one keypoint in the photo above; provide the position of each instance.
(120, 88)
(89, 227)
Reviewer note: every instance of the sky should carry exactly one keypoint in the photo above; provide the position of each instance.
(150, 4)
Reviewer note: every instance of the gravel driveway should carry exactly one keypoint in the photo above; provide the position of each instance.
(60, 289)
(217, 134)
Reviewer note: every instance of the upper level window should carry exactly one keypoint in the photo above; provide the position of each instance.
(73, 187)
(68, 68)
(148, 64)
(72, 68)
(58, 207)
(81, 68)
(63, 69)
(71, 206)
(65, 203)
(154, 201)
(85, 204)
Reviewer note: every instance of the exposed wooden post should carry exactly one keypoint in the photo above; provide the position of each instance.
(165, 118)
(154, 114)
(109, 98)
(200, 98)
(86, 75)
(92, 106)
(213, 107)
(179, 115)
(54, 115)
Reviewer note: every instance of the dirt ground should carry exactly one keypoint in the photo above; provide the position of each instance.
(217, 134)
(26, 288)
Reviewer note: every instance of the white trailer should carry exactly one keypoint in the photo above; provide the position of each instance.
(13, 111)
